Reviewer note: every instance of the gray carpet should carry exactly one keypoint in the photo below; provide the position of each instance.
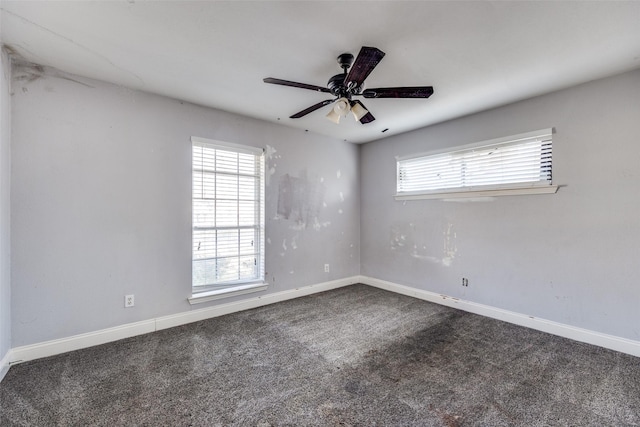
(352, 356)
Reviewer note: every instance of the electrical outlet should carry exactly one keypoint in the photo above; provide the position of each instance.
(465, 281)
(326, 268)
(129, 301)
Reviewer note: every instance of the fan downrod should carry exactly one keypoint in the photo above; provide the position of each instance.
(336, 83)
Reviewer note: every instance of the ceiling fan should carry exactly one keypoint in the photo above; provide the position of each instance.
(349, 84)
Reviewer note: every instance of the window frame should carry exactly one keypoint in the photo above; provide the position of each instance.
(224, 289)
(479, 191)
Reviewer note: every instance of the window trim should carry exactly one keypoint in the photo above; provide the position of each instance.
(478, 191)
(230, 289)
(547, 189)
(240, 289)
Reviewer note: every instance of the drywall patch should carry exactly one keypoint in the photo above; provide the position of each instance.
(317, 225)
(300, 199)
(424, 244)
(270, 157)
(270, 152)
(400, 235)
(449, 247)
(419, 254)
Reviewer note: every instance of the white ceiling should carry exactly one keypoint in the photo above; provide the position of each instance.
(477, 55)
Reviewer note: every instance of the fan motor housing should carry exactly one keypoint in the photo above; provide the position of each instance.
(337, 87)
(336, 84)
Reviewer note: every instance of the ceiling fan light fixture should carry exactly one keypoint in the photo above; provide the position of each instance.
(342, 107)
(333, 116)
(358, 111)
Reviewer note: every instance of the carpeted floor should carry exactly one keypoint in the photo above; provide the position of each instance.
(352, 356)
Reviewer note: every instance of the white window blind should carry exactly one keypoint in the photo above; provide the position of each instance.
(515, 162)
(228, 215)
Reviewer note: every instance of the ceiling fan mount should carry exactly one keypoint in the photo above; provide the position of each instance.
(345, 60)
(351, 83)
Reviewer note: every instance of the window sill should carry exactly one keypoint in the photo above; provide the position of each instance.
(549, 189)
(201, 297)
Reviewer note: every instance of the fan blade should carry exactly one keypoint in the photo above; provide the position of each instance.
(295, 84)
(367, 118)
(399, 92)
(311, 109)
(364, 64)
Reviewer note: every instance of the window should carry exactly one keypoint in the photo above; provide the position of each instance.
(519, 164)
(228, 218)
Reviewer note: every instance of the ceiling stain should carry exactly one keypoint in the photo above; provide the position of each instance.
(28, 72)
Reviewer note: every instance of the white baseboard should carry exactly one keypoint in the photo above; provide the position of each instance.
(76, 342)
(103, 336)
(611, 342)
(4, 364)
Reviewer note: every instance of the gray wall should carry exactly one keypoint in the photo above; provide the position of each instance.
(100, 208)
(572, 257)
(5, 186)
(101, 205)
